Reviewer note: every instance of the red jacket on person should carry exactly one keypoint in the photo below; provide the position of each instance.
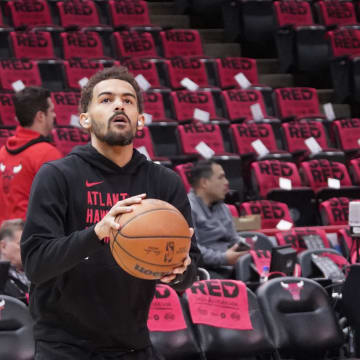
(20, 160)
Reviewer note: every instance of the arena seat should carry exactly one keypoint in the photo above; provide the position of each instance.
(7, 110)
(315, 173)
(16, 330)
(32, 44)
(144, 143)
(130, 43)
(297, 102)
(346, 242)
(181, 42)
(293, 305)
(333, 269)
(302, 239)
(128, 13)
(158, 104)
(240, 333)
(192, 68)
(229, 67)
(65, 105)
(347, 135)
(335, 211)
(354, 171)
(271, 212)
(185, 102)
(12, 70)
(300, 42)
(150, 69)
(67, 137)
(78, 13)
(335, 13)
(26, 13)
(77, 69)
(183, 170)
(256, 240)
(295, 134)
(171, 330)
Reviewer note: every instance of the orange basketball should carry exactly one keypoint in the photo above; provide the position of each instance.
(153, 239)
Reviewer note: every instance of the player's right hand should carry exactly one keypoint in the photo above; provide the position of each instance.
(107, 223)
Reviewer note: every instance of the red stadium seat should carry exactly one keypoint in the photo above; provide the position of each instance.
(354, 170)
(65, 138)
(297, 102)
(187, 67)
(29, 13)
(78, 13)
(238, 103)
(296, 13)
(347, 133)
(229, 67)
(33, 45)
(317, 172)
(145, 67)
(129, 13)
(266, 175)
(80, 68)
(155, 105)
(7, 110)
(192, 134)
(84, 44)
(333, 12)
(335, 211)
(66, 104)
(12, 70)
(246, 133)
(179, 42)
(134, 44)
(304, 239)
(344, 41)
(185, 102)
(183, 170)
(271, 212)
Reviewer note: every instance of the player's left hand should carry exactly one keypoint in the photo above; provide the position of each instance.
(179, 270)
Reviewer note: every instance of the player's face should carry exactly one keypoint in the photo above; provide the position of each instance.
(217, 185)
(113, 112)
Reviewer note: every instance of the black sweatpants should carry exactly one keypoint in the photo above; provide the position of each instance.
(61, 351)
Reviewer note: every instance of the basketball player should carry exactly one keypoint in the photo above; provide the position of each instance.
(84, 305)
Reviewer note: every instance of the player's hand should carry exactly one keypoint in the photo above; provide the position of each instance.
(179, 270)
(232, 255)
(102, 228)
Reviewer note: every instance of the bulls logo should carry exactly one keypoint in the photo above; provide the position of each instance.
(169, 251)
(7, 175)
(250, 240)
(293, 288)
(2, 306)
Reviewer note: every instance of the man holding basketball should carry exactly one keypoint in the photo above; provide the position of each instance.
(84, 305)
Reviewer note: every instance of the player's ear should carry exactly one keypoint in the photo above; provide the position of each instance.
(140, 122)
(85, 121)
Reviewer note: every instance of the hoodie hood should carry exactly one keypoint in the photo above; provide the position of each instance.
(89, 154)
(23, 139)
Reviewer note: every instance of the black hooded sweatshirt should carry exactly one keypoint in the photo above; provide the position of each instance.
(78, 292)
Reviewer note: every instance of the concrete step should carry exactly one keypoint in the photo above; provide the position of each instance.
(276, 80)
(162, 8)
(212, 35)
(175, 21)
(220, 50)
(326, 95)
(268, 66)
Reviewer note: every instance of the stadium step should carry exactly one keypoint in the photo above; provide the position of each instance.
(277, 80)
(174, 21)
(222, 49)
(162, 8)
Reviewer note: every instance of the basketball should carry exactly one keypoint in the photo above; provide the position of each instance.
(153, 239)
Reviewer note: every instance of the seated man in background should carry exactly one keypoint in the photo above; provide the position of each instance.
(214, 228)
(17, 284)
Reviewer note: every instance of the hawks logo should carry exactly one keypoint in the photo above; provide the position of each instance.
(250, 240)
(293, 288)
(7, 175)
(2, 306)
